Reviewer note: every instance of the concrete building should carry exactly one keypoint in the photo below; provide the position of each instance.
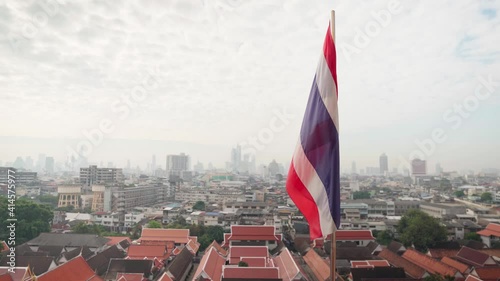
(22, 177)
(383, 164)
(418, 167)
(94, 175)
(69, 196)
(102, 198)
(49, 165)
(441, 210)
(401, 206)
(132, 219)
(125, 198)
(177, 163)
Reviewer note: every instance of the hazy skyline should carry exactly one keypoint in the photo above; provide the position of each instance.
(201, 76)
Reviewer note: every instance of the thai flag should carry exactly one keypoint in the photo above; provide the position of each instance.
(313, 181)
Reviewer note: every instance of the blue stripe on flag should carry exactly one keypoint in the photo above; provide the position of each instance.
(320, 140)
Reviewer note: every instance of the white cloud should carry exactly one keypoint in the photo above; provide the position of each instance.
(227, 64)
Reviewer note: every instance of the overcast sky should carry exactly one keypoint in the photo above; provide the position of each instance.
(202, 76)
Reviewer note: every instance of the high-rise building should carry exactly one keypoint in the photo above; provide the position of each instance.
(273, 169)
(40, 164)
(383, 164)
(353, 168)
(49, 165)
(19, 163)
(28, 163)
(418, 167)
(236, 158)
(177, 163)
(153, 163)
(439, 169)
(198, 167)
(93, 175)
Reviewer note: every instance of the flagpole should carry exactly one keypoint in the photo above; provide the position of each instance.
(333, 250)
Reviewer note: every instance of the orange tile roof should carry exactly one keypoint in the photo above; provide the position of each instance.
(237, 252)
(455, 264)
(165, 277)
(255, 272)
(210, 265)
(113, 240)
(429, 264)
(21, 273)
(491, 252)
(441, 253)
(5, 246)
(472, 278)
(318, 265)
(488, 273)
(370, 264)
(473, 257)
(492, 229)
(169, 234)
(218, 247)
(149, 252)
(410, 268)
(129, 277)
(348, 235)
(74, 270)
(255, 261)
(288, 268)
(193, 246)
(252, 232)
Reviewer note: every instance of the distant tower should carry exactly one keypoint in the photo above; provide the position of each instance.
(439, 169)
(383, 164)
(236, 158)
(353, 168)
(418, 167)
(153, 163)
(49, 165)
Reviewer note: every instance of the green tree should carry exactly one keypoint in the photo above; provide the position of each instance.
(205, 241)
(385, 237)
(68, 209)
(473, 236)
(445, 184)
(361, 195)
(83, 228)
(48, 199)
(486, 197)
(459, 193)
(32, 219)
(215, 232)
(242, 264)
(420, 230)
(200, 206)
(154, 224)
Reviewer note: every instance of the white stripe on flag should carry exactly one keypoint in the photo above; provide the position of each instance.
(327, 90)
(307, 174)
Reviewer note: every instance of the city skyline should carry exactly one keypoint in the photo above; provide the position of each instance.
(201, 77)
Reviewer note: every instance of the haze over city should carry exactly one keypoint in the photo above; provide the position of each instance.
(212, 75)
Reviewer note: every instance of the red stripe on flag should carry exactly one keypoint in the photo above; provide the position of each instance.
(304, 201)
(331, 56)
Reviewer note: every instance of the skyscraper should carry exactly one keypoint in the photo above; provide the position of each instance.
(153, 163)
(236, 158)
(383, 164)
(353, 168)
(49, 165)
(418, 167)
(176, 164)
(439, 169)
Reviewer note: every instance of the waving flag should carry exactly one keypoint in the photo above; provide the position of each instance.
(313, 181)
